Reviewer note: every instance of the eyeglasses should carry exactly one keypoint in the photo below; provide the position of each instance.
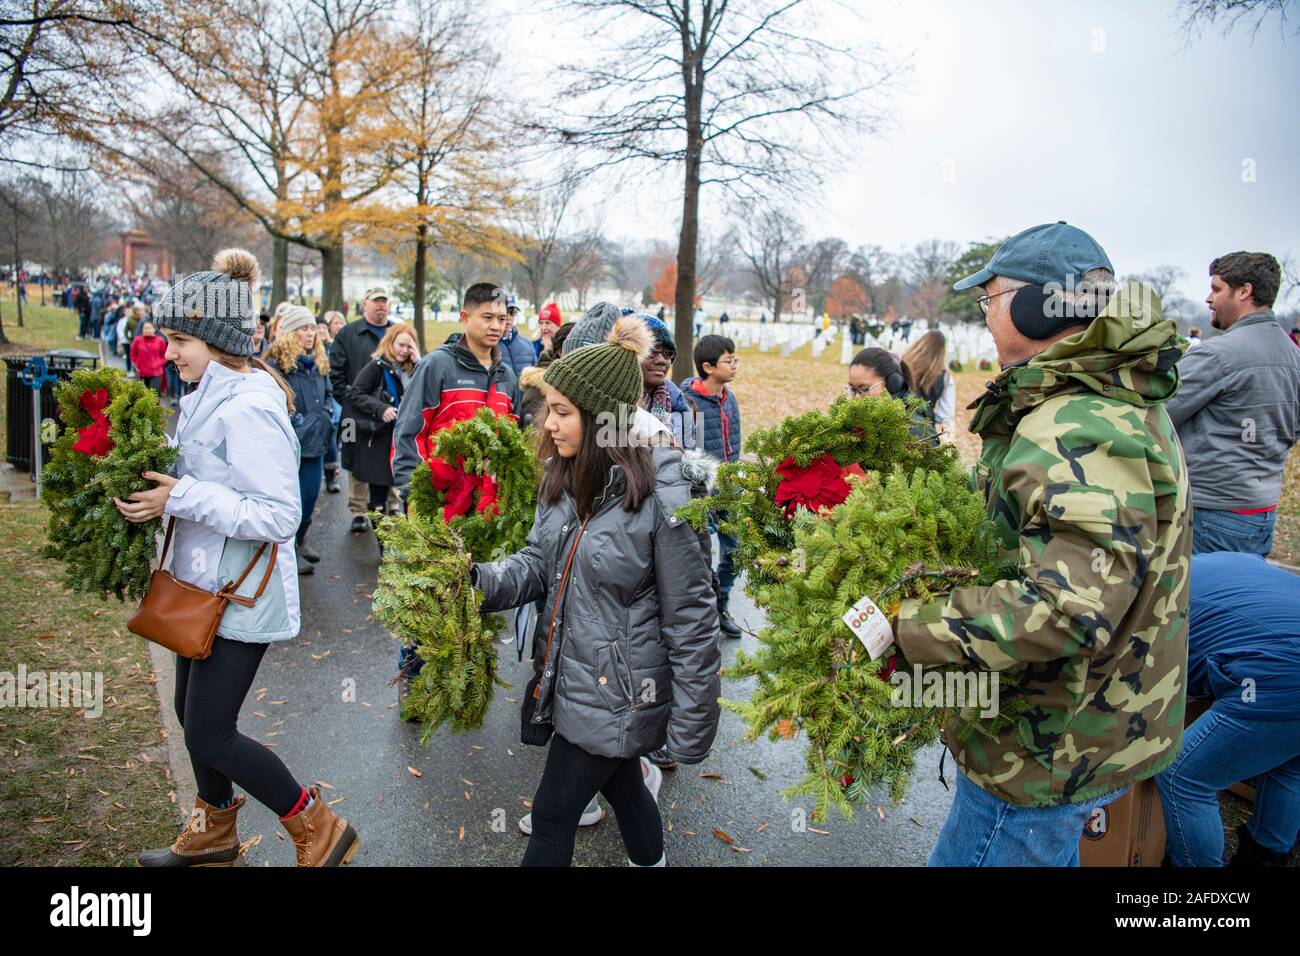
(862, 391)
(984, 299)
(663, 353)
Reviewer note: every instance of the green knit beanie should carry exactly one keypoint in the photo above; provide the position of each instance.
(600, 378)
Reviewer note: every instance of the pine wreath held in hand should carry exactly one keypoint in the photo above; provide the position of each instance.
(896, 535)
(482, 481)
(112, 431)
(803, 466)
(424, 597)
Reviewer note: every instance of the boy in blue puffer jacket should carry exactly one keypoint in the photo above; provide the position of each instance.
(719, 425)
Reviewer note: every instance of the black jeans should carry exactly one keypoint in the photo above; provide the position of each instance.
(209, 694)
(571, 778)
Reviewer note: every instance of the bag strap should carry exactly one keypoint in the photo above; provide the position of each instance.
(564, 580)
(230, 589)
(167, 543)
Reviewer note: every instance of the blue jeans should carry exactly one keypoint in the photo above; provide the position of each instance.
(173, 381)
(1214, 530)
(984, 830)
(310, 471)
(1218, 750)
(726, 570)
(406, 658)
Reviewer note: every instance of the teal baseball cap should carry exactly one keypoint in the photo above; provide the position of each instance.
(1054, 252)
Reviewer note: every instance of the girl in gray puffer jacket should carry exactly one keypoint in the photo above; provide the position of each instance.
(630, 662)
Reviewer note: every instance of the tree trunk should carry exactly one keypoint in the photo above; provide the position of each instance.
(279, 273)
(421, 267)
(331, 291)
(4, 339)
(688, 242)
(21, 285)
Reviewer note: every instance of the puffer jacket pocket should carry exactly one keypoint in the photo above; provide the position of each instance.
(613, 679)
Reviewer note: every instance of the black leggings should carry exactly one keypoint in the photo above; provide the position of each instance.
(571, 778)
(209, 694)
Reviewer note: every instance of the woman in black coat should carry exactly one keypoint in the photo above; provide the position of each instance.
(379, 387)
(298, 354)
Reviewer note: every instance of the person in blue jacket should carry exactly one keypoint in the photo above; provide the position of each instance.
(516, 351)
(298, 354)
(1243, 651)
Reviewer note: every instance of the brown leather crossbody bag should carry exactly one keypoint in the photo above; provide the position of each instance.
(182, 617)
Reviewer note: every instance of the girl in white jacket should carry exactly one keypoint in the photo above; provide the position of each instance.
(235, 487)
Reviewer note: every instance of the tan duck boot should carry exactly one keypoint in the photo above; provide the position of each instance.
(321, 837)
(209, 839)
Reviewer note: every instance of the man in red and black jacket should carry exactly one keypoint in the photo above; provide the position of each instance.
(451, 384)
(454, 381)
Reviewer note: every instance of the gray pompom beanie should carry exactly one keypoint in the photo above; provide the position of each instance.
(594, 327)
(217, 306)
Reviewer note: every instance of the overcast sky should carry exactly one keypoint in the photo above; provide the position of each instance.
(1018, 112)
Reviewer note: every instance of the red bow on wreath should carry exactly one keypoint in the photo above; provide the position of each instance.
(821, 485)
(461, 487)
(94, 439)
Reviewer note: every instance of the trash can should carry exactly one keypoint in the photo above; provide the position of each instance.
(18, 401)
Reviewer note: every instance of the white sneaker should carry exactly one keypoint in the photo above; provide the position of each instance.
(592, 815)
(653, 780)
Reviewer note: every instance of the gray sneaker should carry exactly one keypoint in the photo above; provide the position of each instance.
(590, 817)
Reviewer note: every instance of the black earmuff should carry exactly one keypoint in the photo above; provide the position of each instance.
(1038, 313)
(895, 382)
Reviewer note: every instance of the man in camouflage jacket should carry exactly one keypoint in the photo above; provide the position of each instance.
(1086, 483)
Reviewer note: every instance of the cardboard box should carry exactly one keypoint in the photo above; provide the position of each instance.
(1197, 706)
(1129, 831)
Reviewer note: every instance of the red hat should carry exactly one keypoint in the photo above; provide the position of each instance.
(550, 312)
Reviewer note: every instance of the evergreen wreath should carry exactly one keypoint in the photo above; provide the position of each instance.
(488, 471)
(424, 597)
(802, 465)
(897, 535)
(112, 431)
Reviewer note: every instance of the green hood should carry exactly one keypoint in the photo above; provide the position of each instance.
(1129, 353)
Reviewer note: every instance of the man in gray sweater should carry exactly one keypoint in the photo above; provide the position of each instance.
(1237, 409)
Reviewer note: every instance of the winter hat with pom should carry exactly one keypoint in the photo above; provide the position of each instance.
(593, 328)
(295, 317)
(215, 306)
(605, 376)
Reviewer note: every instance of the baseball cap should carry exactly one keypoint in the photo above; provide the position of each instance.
(1051, 253)
(375, 292)
(510, 301)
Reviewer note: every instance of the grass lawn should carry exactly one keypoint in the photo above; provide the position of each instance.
(77, 790)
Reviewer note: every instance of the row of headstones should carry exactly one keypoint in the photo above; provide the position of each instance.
(966, 343)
